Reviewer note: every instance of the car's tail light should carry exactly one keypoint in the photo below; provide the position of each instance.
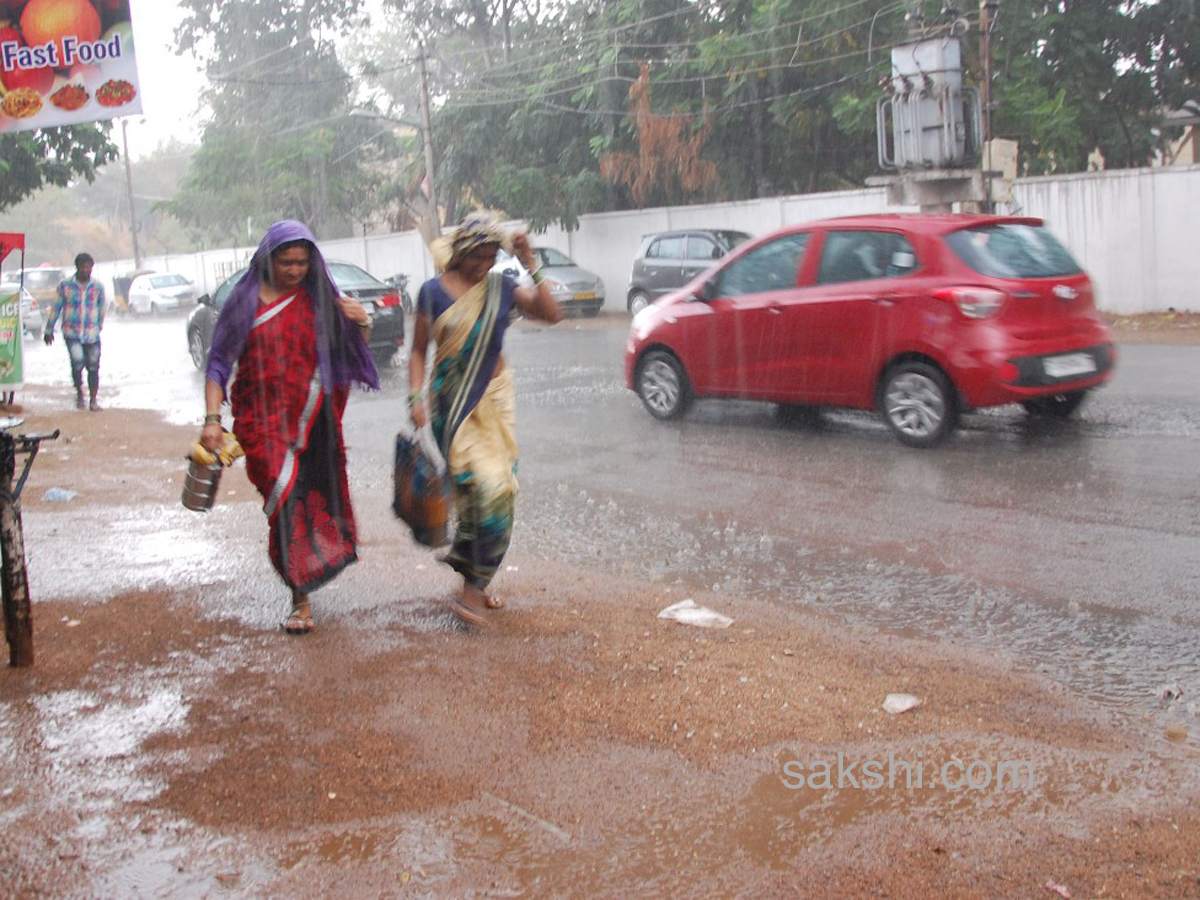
(389, 300)
(974, 302)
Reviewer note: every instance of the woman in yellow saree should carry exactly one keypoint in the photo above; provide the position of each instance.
(466, 311)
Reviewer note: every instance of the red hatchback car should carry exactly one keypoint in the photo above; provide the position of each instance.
(922, 317)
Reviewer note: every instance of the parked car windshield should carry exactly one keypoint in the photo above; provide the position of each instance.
(1012, 250)
(548, 256)
(163, 281)
(45, 278)
(349, 277)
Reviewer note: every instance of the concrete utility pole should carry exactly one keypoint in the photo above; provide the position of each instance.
(133, 227)
(427, 132)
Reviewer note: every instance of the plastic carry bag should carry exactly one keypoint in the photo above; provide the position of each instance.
(421, 487)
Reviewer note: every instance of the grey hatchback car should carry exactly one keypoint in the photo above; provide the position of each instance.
(670, 259)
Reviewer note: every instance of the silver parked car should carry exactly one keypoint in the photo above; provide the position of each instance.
(575, 288)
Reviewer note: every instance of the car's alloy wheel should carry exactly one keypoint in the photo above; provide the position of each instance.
(638, 301)
(1055, 406)
(196, 349)
(663, 385)
(919, 405)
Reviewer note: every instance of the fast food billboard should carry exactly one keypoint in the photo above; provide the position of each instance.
(63, 62)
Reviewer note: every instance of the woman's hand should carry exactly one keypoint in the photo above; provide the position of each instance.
(355, 312)
(211, 435)
(420, 415)
(523, 251)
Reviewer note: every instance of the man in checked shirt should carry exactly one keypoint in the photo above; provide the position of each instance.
(81, 304)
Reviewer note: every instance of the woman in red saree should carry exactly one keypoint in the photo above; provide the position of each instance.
(298, 348)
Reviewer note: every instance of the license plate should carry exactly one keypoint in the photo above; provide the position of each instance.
(588, 295)
(1069, 364)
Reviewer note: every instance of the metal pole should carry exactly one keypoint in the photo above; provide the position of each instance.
(133, 230)
(427, 132)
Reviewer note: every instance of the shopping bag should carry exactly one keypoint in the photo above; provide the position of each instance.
(421, 487)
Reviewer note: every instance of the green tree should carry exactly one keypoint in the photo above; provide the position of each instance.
(31, 160)
(280, 142)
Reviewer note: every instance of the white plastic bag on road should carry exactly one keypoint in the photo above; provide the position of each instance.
(687, 612)
(898, 703)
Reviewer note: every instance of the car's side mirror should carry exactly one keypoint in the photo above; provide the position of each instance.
(707, 291)
(204, 300)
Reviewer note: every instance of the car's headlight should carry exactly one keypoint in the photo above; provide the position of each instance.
(642, 322)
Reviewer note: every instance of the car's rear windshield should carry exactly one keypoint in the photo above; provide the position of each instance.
(349, 277)
(1012, 250)
(163, 281)
(731, 239)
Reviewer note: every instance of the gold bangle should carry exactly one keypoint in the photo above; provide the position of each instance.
(212, 419)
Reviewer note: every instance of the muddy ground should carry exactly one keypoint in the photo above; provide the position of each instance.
(171, 741)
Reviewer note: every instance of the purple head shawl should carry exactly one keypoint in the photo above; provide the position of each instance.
(342, 354)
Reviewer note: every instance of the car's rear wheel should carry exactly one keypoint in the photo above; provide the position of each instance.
(638, 301)
(663, 385)
(591, 311)
(196, 349)
(1055, 406)
(918, 403)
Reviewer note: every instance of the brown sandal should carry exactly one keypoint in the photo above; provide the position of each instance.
(468, 612)
(492, 601)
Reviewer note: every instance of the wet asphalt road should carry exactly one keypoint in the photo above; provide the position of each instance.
(1071, 548)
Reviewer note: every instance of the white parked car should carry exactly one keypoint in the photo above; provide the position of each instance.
(155, 293)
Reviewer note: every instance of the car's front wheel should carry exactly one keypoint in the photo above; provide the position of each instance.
(638, 301)
(919, 404)
(1055, 406)
(663, 385)
(196, 349)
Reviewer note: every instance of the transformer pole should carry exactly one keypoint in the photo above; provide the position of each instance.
(987, 17)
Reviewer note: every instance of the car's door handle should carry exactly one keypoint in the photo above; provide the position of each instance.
(775, 310)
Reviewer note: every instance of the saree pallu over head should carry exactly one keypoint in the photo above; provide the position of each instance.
(342, 352)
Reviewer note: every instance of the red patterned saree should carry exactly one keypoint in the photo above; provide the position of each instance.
(291, 431)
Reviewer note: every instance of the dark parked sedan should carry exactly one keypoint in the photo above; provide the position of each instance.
(381, 301)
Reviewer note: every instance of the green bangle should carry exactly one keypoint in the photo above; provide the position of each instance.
(212, 419)
(537, 276)
(415, 397)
